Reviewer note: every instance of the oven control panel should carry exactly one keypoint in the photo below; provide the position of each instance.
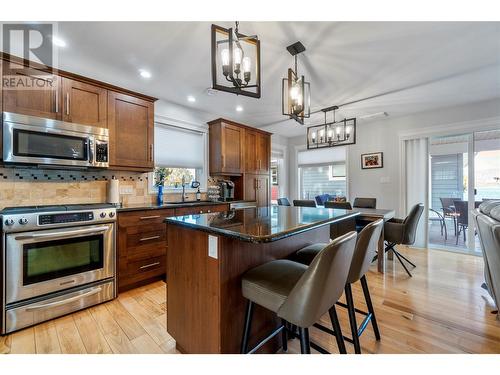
(24, 222)
(61, 218)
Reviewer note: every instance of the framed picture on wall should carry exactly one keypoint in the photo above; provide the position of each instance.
(373, 160)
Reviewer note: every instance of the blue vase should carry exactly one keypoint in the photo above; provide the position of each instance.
(160, 195)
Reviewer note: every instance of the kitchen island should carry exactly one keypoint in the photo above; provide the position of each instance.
(206, 257)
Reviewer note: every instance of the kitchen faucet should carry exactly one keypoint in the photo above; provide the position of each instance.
(183, 189)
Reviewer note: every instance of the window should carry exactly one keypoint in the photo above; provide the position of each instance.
(179, 152)
(172, 177)
(322, 172)
(322, 179)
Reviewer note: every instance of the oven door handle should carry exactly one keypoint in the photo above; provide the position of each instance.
(87, 293)
(94, 230)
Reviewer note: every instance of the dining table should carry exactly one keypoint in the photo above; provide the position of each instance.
(367, 214)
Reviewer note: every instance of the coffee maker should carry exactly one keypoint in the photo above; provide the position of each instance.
(226, 190)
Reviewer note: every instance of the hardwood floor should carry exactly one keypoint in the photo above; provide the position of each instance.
(441, 309)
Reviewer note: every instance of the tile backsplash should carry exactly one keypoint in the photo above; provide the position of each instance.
(25, 187)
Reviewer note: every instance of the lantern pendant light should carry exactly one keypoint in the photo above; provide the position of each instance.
(235, 61)
(295, 91)
(332, 133)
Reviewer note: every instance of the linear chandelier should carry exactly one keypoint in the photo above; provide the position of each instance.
(295, 91)
(234, 55)
(333, 133)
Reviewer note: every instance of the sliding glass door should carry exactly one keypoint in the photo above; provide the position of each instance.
(464, 171)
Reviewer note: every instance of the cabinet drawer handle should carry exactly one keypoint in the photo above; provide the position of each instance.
(223, 161)
(151, 152)
(149, 238)
(149, 217)
(149, 265)
(67, 104)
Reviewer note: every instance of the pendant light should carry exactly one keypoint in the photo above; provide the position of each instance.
(332, 133)
(295, 91)
(235, 61)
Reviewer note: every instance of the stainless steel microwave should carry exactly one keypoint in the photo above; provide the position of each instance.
(39, 141)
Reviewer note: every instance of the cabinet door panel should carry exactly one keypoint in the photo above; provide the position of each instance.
(263, 153)
(32, 92)
(263, 191)
(250, 193)
(250, 151)
(130, 123)
(84, 103)
(232, 148)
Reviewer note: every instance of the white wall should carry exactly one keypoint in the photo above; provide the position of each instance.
(182, 115)
(384, 136)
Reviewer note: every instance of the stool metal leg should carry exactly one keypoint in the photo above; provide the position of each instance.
(352, 318)
(338, 331)
(305, 345)
(246, 329)
(284, 335)
(366, 292)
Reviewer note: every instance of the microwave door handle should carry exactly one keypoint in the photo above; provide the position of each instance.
(87, 293)
(95, 230)
(90, 143)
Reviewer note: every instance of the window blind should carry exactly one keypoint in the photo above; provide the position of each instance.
(321, 156)
(178, 148)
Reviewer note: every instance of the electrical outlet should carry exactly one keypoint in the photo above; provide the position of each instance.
(126, 190)
(385, 180)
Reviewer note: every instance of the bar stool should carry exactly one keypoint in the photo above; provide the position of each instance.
(298, 294)
(366, 246)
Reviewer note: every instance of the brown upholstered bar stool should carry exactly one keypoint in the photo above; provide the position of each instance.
(298, 294)
(366, 246)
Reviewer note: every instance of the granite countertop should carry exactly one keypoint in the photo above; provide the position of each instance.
(154, 206)
(264, 224)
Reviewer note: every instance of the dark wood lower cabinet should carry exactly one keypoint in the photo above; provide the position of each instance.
(258, 189)
(141, 247)
(142, 243)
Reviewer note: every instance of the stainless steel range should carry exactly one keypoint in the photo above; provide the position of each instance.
(55, 260)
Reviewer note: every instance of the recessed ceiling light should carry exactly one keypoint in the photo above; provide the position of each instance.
(191, 99)
(239, 108)
(144, 73)
(58, 42)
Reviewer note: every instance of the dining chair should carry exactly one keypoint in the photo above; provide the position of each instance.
(283, 202)
(442, 223)
(365, 203)
(449, 211)
(462, 209)
(304, 203)
(403, 232)
(338, 205)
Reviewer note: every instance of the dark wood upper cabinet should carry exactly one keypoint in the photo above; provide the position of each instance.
(263, 152)
(84, 103)
(226, 144)
(131, 132)
(251, 165)
(43, 100)
(258, 152)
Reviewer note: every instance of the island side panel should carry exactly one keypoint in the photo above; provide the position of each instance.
(236, 257)
(192, 292)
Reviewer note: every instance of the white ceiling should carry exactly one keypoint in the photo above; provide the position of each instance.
(396, 67)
